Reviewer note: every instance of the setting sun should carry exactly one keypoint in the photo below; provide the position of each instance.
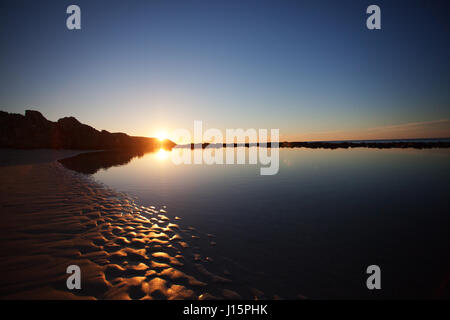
(161, 135)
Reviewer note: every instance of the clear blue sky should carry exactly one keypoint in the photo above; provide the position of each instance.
(309, 68)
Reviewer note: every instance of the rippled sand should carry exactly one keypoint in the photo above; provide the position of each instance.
(53, 218)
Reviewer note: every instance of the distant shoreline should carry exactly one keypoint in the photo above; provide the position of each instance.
(377, 144)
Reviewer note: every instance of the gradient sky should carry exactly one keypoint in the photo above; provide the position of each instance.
(310, 68)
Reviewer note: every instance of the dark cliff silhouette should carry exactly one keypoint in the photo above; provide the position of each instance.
(33, 130)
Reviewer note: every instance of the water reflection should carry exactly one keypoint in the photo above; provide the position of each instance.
(92, 162)
(323, 218)
(162, 154)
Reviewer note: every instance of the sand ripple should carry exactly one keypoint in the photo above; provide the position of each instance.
(53, 218)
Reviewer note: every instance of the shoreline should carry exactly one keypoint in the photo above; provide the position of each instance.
(328, 145)
(58, 217)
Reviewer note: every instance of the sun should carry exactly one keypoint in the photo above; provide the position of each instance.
(161, 135)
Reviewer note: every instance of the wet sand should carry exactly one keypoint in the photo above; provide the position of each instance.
(53, 217)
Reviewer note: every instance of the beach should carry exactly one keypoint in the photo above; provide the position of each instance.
(53, 217)
(146, 228)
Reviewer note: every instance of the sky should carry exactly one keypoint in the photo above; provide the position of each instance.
(308, 68)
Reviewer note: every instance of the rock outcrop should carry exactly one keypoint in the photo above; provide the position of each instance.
(33, 130)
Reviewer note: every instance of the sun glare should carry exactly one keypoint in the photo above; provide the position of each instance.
(161, 135)
(162, 154)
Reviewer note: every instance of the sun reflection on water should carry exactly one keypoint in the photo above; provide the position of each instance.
(162, 154)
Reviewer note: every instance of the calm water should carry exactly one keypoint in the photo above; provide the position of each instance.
(313, 228)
